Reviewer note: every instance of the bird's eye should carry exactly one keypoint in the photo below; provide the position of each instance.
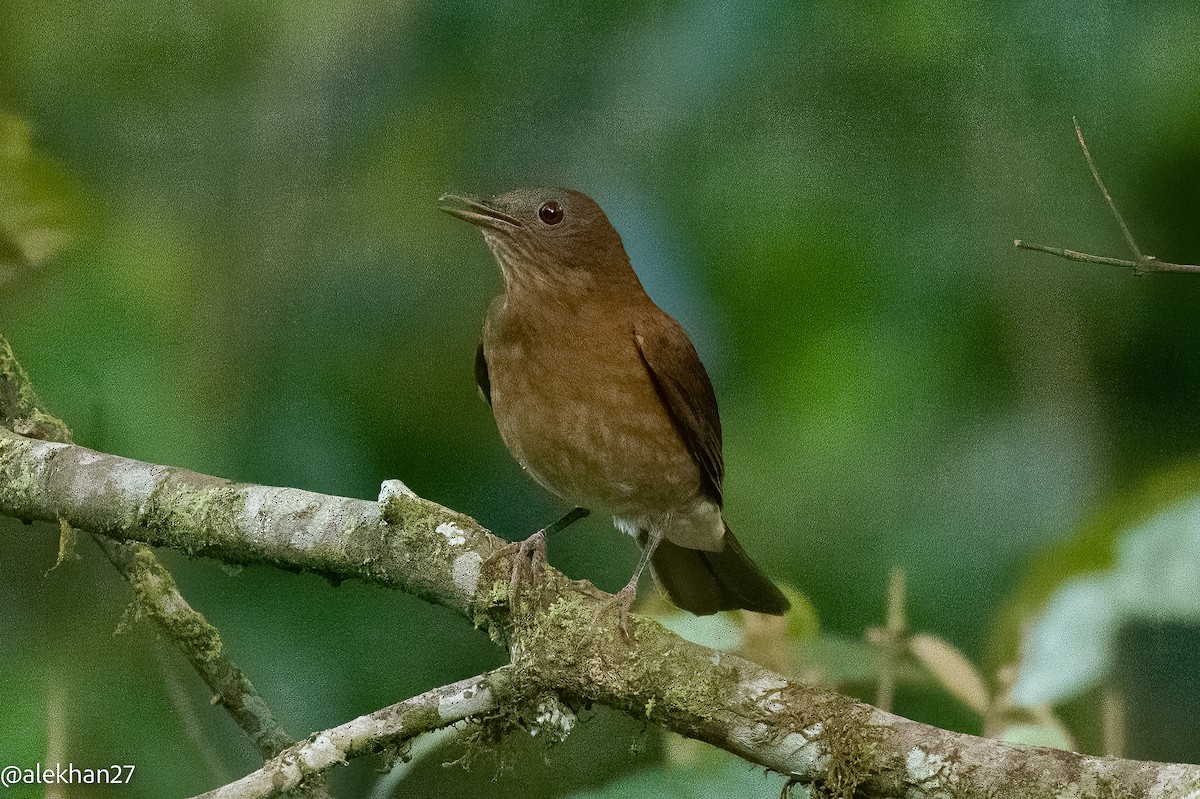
(551, 213)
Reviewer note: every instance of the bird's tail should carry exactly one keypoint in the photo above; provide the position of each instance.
(706, 582)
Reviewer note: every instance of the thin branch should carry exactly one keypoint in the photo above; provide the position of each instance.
(892, 640)
(1150, 264)
(1141, 265)
(157, 597)
(1073, 255)
(559, 641)
(1113, 711)
(56, 732)
(186, 717)
(373, 733)
(156, 594)
(1112, 206)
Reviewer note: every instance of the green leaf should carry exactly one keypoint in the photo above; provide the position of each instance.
(1070, 645)
(1047, 732)
(1092, 549)
(802, 620)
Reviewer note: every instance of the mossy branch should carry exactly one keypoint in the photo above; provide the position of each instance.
(156, 595)
(406, 542)
(388, 727)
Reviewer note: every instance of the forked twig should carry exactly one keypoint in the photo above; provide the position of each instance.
(1150, 264)
(1087, 154)
(1141, 265)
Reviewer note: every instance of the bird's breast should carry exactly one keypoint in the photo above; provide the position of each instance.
(576, 407)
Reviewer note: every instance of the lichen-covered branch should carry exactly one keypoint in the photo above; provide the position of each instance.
(375, 732)
(20, 410)
(156, 595)
(559, 640)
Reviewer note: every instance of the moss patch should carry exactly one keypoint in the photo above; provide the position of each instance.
(19, 406)
(18, 478)
(208, 516)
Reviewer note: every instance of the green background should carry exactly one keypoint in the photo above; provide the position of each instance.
(260, 286)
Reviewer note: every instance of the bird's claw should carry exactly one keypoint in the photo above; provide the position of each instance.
(528, 558)
(531, 552)
(622, 601)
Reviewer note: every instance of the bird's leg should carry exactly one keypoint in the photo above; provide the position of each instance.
(623, 599)
(532, 550)
(569, 518)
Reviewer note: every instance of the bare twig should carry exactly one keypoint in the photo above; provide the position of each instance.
(1112, 206)
(1150, 264)
(1141, 265)
(892, 640)
(375, 732)
(1073, 255)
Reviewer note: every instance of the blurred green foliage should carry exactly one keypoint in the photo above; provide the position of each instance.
(36, 202)
(259, 286)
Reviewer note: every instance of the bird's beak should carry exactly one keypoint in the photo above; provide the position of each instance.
(476, 212)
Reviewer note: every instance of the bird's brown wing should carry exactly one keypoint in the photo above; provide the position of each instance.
(481, 375)
(686, 391)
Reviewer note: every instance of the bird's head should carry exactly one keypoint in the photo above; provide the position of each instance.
(547, 238)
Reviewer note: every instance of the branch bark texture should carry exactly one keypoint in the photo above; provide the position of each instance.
(156, 595)
(559, 641)
(392, 725)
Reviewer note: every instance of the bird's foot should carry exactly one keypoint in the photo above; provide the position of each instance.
(528, 557)
(622, 603)
(586, 587)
